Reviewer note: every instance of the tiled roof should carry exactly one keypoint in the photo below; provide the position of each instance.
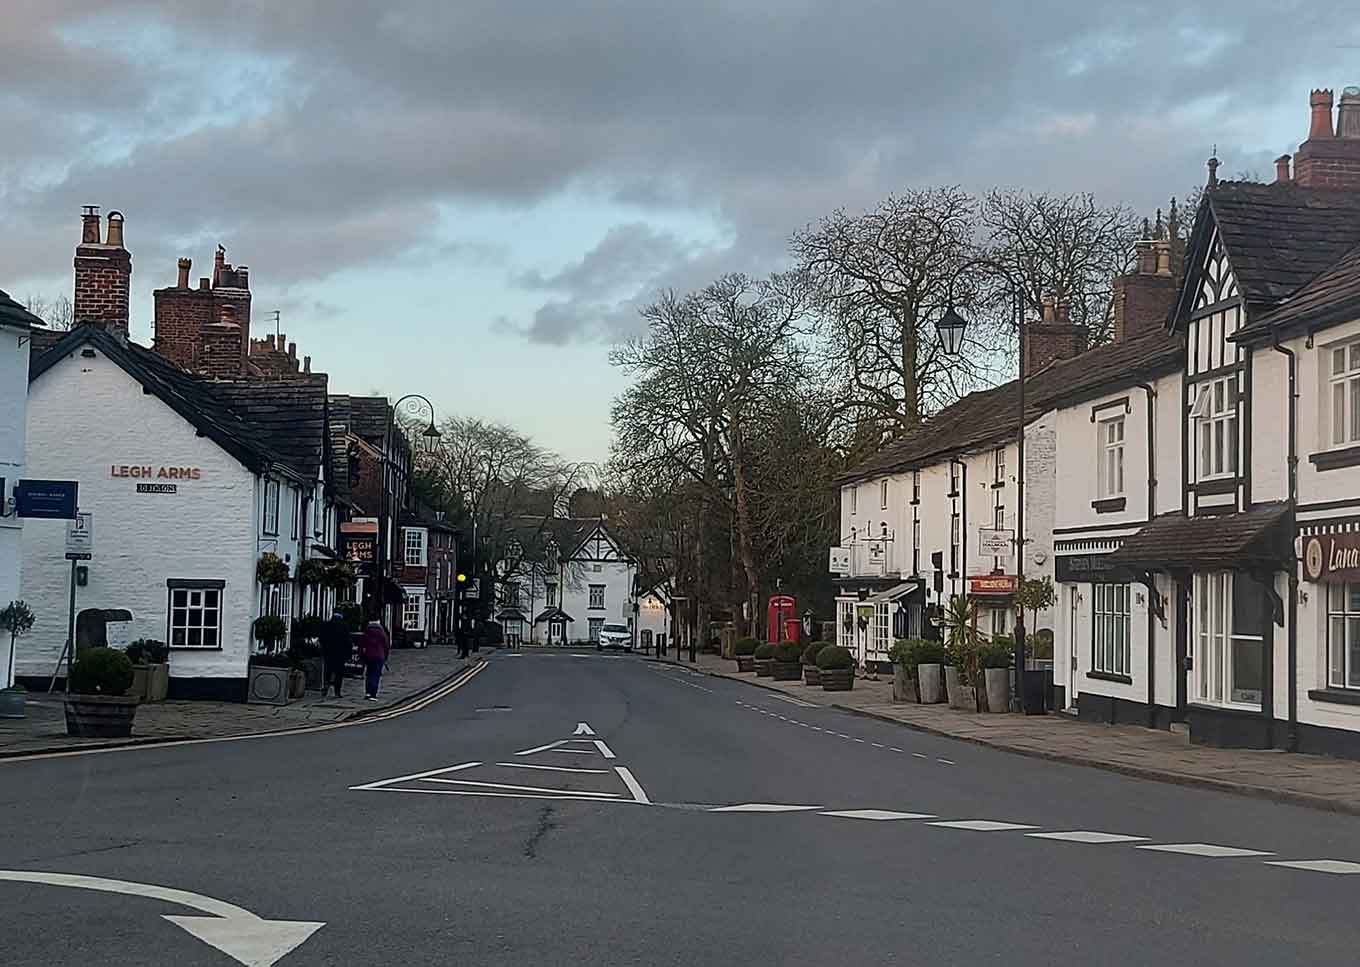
(1334, 296)
(368, 416)
(1173, 542)
(13, 314)
(338, 428)
(291, 414)
(205, 404)
(1114, 366)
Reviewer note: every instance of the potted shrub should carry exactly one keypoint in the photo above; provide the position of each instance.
(269, 679)
(837, 668)
(306, 650)
(97, 706)
(745, 649)
(927, 657)
(902, 655)
(996, 659)
(788, 662)
(960, 620)
(764, 660)
(150, 669)
(17, 619)
(812, 675)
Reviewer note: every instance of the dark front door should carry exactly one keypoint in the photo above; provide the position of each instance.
(1184, 656)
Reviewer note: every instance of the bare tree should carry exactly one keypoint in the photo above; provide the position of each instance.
(883, 278)
(58, 313)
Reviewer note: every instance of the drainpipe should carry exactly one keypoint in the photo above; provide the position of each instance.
(1292, 609)
(1152, 587)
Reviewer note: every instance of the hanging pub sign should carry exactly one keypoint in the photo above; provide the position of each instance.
(1332, 557)
(840, 560)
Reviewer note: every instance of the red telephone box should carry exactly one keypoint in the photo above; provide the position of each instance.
(781, 619)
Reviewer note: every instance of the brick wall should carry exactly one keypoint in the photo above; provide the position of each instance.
(103, 274)
(1141, 304)
(1330, 158)
(1048, 342)
(185, 316)
(221, 351)
(181, 315)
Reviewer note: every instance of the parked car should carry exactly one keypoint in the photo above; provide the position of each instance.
(615, 636)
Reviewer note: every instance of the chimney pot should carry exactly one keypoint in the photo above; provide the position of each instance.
(292, 350)
(1046, 311)
(1282, 169)
(1320, 104)
(1064, 310)
(184, 266)
(203, 282)
(1147, 257)
(1213, 172)
(306, 364)
(227, 313)
(243, 276)
(115, 238)
(1348, 114)
(89, 225)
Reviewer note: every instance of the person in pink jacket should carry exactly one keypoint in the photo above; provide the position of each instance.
(373, 648)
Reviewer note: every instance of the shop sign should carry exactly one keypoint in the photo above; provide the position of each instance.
(995, 541)
(1332, 557)
(155, 473)
(360, 548)
(1089, 569)
(51, 499)
(840, 560)
(992, 584)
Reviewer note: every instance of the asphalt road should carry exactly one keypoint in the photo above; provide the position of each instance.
(555, 856)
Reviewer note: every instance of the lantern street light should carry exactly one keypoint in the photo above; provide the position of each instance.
(950, 328)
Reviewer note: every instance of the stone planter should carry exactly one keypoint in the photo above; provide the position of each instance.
(961, 696)
(904, 686)
(812, 675)
(150, 682)
(787, 671)
(267, 686)
(837, 679)
(312, 671)
(297, 683)
(100, 716)
(12, 703)
(745, 663)
(998, 689)
(929, 683)
(764, 667)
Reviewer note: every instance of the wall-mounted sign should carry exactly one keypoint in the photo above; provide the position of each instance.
(1332, 557)
(80, 538)
(1089, 569)
(157, 488)
(360, 548)
(840, 560)
(999, 584)
(157, 473)
(52, 499)
(995, 541)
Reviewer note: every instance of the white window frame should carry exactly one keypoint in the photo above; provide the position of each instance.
(1217, 430)
(1343, 388)
(1110, 458)
(953, 478)
(883, 494)
(596, 599)
(194, 608)
(955, 541)
(1211, 609)
(270, 518)
(999, 465)
(549, 594)
(845, 637)
(882, 630)
(916, 545)
(1343, 630)
(1111, 629)
(1001, 622)
(414, 546)
(413, 607)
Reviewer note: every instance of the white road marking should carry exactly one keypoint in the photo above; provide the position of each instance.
(861, 741)
(794, 701)
(531, 765)
(570, 752)
(605, 751)
(948, 762)
(418, 775)
(879, 814)
(583, 728)
(919, 755)
(762, 807)
(981, 825)
(633, 785)
(496, 708)
(894, 749)
(514, 788)
(877, 745)
(578, 797)
(1318, 866)
(1204, 849)
(574, 655)
(1085, 836)
(241, 935)
(544, 748)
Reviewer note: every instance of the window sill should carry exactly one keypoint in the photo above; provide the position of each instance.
(1108, 677)
(1109, 505)
(1216, 485)
(1335, 459)
(1336, 696)
(195, 648)
(952, 494)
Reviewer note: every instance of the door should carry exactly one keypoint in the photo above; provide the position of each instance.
(1185, 659)
(1073, 643)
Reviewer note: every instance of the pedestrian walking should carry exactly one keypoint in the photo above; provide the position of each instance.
(462, 644)
(373, 648)
(335, 651)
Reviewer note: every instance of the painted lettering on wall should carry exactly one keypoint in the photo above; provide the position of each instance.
(145, 472)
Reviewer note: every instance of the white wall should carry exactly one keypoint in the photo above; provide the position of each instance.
(14, 352)
(617, 578)
(1313, 416)
(86, 415)
(653, 616)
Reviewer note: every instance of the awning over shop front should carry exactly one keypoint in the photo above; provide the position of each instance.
(1257, 540)
(895, 593)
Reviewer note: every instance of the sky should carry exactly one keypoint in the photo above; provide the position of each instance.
(470, 199)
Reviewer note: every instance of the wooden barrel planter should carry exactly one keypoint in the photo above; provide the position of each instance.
(764, 667)
(838, 679)
(746, 663)
(100, 716)
(812, 675)
(787, 671)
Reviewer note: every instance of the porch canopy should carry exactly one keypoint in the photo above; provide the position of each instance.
(904, 590)
(553, 614)
(1257, 540)
(510, 614)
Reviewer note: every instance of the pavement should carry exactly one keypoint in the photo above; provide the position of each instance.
(568, 807)
(409, 673)
(1318, 781)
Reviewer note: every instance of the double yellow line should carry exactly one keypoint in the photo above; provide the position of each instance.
(405, 708)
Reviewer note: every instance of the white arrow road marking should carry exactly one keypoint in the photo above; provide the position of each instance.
(238, 933)
(1088, 836)
(1319, 866)
(1204, 849)
(583, 729)
(633, 786)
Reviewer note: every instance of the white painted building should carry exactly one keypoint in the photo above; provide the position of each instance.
(190, 481)
(16, 328)
(654, 617)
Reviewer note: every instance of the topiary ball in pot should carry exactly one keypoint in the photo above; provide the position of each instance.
(745, 646)
(836, 668)
(97, 706)
(101, 671)
(809, 656)
(764, 660)
(789, 651)
(765, 650)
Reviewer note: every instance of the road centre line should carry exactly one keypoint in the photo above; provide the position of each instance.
(544, 748)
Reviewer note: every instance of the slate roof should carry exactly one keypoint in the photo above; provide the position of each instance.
(13, 314)
(338, 416)
(290, 413)
(1174, 542)
(222, 412)
(368, 416)
(988, 417)
(1332, 297)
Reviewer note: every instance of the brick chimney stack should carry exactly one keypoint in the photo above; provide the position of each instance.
(1330, 158)
(1282, 170)
(103, 275)
(216, 313)
(184, 265)
(1143, 298)
(1053, 337)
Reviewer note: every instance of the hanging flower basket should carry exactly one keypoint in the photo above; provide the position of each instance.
(338, 576)
(311, 572)
(271, 569)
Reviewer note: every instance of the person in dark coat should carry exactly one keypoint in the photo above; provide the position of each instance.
(335, 652)
(373, 648)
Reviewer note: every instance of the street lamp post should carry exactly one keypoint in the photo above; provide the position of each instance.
(950, 328)
(429, 437)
